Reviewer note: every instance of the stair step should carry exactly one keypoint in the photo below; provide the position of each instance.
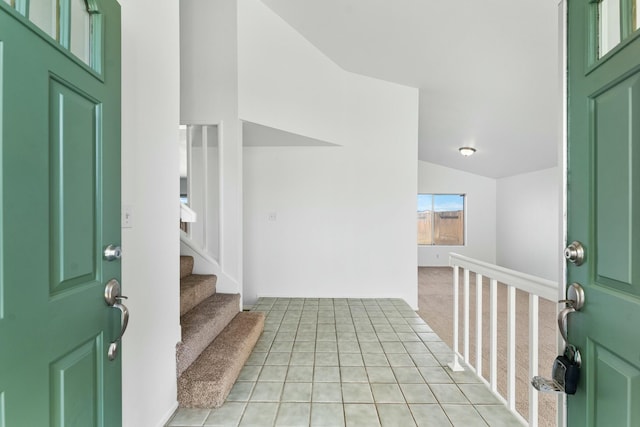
(209, 379)
(194, 289)
(202, 324)
(186, 266)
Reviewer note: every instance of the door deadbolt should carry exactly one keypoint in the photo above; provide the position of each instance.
(112, 253)
(574, 253)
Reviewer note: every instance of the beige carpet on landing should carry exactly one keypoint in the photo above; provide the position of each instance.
(435, 302)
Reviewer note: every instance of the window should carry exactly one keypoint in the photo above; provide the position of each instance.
(75, 24)
(616, 22)
(441, 219)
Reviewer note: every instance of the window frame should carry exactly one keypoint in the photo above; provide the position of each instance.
(433, 210)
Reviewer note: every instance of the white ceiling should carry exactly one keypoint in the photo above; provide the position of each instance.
(487, 70)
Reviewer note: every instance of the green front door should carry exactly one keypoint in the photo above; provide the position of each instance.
(60, 206)
(604, 208)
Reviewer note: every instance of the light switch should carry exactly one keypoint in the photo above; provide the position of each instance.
(127, 216)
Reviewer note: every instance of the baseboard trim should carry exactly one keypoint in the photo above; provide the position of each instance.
(167, 417)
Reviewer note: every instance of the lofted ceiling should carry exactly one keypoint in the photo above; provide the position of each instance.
(487, 71)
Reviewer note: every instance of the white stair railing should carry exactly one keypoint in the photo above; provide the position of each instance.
(536, 288)
(187, 214)
(203, 188)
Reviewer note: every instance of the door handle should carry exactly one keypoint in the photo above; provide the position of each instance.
(113, 299)
(574, 302)
(566, 368)
(113, 347)
(562, 321)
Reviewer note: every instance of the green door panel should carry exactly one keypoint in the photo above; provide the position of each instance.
(616, 124)
(617, 391)
(604, 214)
(76, 386)
(59, 207)
(73, 148)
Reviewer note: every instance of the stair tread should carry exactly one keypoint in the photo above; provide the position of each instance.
(194, 289)
(186, 265)
(202, 324)
(207, 382)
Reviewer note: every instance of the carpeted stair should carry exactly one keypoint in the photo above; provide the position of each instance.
(217, 339)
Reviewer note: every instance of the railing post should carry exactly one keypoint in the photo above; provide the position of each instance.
(190, 186)
(205, 188)
(455, 364)
(493, 324)
(511, 347)
(479, 325)
(533, 358)
(466, 315)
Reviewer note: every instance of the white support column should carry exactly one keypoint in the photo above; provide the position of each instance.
(533, 358)
(455, 364)
(466, 316)
(493, 324)
(479, 325)
(511, 347)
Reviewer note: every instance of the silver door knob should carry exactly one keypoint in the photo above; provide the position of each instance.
(574, 253)
(112, 253)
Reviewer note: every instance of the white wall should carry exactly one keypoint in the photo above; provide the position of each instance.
(150, 184)
(528, 227)
(209, 95)
(324, 221)
(480, 212)
(285, 82)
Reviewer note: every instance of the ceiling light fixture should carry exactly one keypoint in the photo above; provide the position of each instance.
(467, 151)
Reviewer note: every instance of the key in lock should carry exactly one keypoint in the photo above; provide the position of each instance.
(565, 373)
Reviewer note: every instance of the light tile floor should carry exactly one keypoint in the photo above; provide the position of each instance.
(350, 362)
